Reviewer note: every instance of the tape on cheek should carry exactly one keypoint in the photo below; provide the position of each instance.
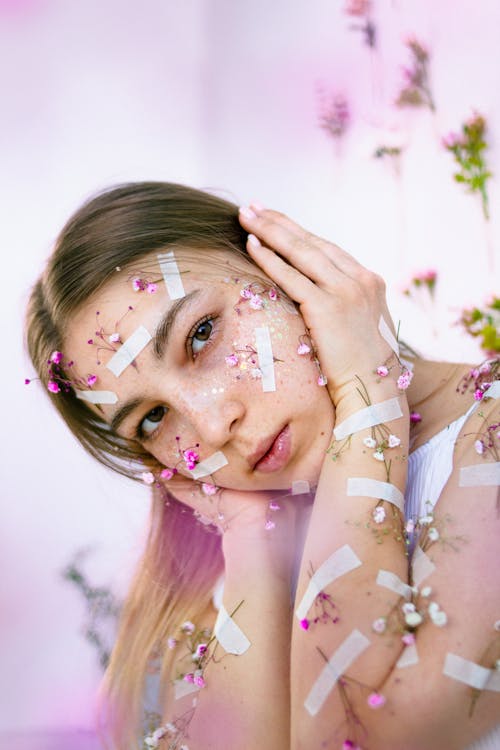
(343, 657)
(300, 487)
(265, 356)
(480, 475)
(394, 583)
(408, 658)
(388, 335)
(171, 275)
(366, 487)
(471, 674)
(209, 466)
(422, 566)
(342, 561)
(128, 351)
(370, 416)
(97, 397)
(230, 636)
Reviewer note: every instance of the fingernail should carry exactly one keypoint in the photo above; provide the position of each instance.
(253, 240)
(247, 213)
(257, 206)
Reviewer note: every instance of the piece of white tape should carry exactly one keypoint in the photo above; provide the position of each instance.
(171, 275)
(370, 416)
(394, 583)
(183, 688)
(128, 351)
(300, 487)
(342, 658)
(421, 566)
(342, 561)
(480, 475)
(230, 636)
(366, 487)
(209, 465)
(493, 391)
(98, 397)
(470, 673)
(408, 658)
(388, 335)
(265, 356)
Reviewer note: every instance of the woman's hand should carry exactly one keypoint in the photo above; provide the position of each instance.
(340, 300)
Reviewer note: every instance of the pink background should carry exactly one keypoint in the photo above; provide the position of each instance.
(217, 94)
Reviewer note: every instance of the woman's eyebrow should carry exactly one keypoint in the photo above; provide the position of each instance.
(167, 322)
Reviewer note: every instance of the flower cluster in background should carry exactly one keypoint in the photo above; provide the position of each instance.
(484, 324)
(416, 91)
(334, 116)
(361, 9)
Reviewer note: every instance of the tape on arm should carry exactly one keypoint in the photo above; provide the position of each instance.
(230, 636)
(342, 561)
(370, 416)
(367, 487)
(470, 673)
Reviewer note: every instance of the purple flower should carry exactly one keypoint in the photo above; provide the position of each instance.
(304, 624)
(91, 380)
(376, 700)
(231, 360)
(167, 473)
(56, 357)
(200, 650)
(151, 288)
(53, 387)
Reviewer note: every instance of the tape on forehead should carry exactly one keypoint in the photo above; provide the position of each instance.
(470, 673)
(230, 636)
(342, 561)
(480, 475)
(128, 351)
(388, 335)
(409, 657)
(209, 465)
(370, 416)
(421, 566)
(366, 487)
(342, 658)
(300, 487)
(265, 356)
(97, 397)
(171, 275)
(183, 688)
(391, 581)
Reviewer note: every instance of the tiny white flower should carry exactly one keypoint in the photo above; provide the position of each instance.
(426, 520)
(378, 455)
(188, 627)
(413, 619)
(408, 607)
(378, 514)
(433, 608)
(171, 728)
(256, 373)
(496, 626)
(379, 625)
(369, 442)
(410, 526)
(151, 741)
(433, 534)
(393, 441)
(440, 619)
(479, 447)
(426, 591)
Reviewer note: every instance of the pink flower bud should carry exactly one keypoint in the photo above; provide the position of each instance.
(273, 295)
(208, 489)
(231, 360)
(408, 639)
(303, 349)
(269, 525)
(53, 387)
(304, 624)
(147, 477)
(375, 700)
(415, 417)
(56, 357)
(383, 371)
(166, 474)
(189, 677)
(198, 680)
(91, 380)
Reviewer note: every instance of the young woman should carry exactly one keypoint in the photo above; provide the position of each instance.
(339, 499)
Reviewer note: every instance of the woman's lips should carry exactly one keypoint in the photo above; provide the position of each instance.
(278, 454)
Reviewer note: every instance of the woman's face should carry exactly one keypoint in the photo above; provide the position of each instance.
(198, 383)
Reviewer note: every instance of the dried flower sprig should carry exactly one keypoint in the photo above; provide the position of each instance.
(484, 323)
(468, 153)
(361, 9)
(334, 115)
(479, 379)
(58, 379)
(422, 280)
(416, 91)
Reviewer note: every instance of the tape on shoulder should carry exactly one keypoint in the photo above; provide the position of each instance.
(421, 566)
(366, 487)
(128, 351)
(388, 335)
(470, 673)
(370, 416)
(230, 636)
(480, 475)
(265, 356)
(97, 397)
(209, 465)
(408, 658)
(183, 688)
(391, 581)
(342, 658)
(171, 275)
(300, 487)
(342, 561)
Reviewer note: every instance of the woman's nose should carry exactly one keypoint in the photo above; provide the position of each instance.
(215, 416)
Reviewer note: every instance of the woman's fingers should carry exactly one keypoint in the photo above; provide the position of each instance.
(295, 284)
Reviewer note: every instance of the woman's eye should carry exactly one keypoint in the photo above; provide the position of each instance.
(152, 419)
(201, 335)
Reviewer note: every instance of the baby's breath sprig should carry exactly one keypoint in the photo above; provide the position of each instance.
(468, 152)
(416, 91)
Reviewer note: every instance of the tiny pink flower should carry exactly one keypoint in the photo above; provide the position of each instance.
(171, 643)
(189, 677)
(256, 302)
(114, 338)
(200, 650)
(408, 639)
(378, 514)
(166, 474)
(304, 624)
(379, 455)
(147, 477)
(383, 371)
(322, 380)
(151, 288)
(198, 680)
(208, 489)
(393, 441)
(246, 293)
(91, 380)
(474, 373)
(347, 745)
(303, 349)
(137, 285)
(274, 505)
(188, 627)
(53, 387)
(379, 625)
(408, 607)
(404, 380)
(450, 140)
(485, 367)
(269, 525)
(56, 357)
(191, 458)
(273, 295)
(478, 394)
(376, 700)
(27, 381)
(231, 360)
(415, 417)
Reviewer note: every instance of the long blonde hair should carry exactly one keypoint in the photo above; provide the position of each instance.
(181, 561)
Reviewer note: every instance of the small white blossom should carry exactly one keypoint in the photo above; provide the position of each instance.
(440, 619)
(188, 627)
(393, 441)
(369, 442)
(433, 608)
(410, 526)
(378, 514)
(426, 520)
(433, 534)
(379, 625)
(408, 607)
(426, 591)
(256, 373)
(379, 455)
(413, 619)
(479, 447)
